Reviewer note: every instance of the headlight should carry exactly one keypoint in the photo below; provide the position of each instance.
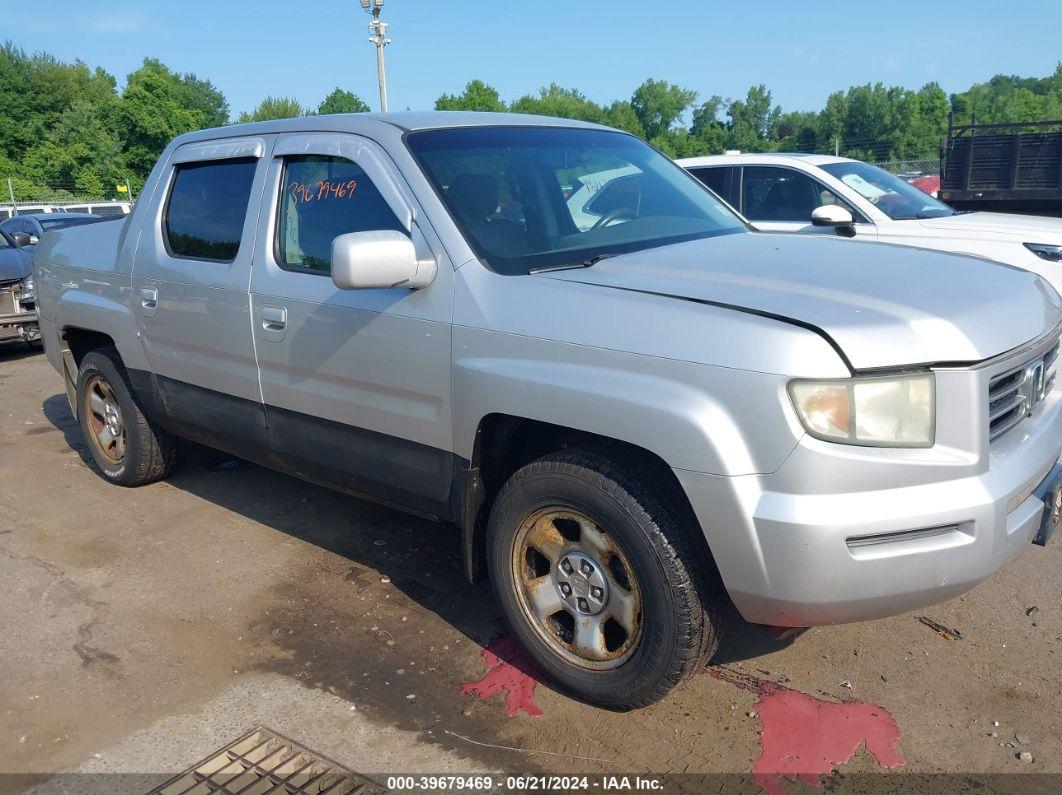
(876, 411)
(29, 289)
(1046, 251)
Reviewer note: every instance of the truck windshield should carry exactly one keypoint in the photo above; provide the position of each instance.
(899, 200)
(528, 198)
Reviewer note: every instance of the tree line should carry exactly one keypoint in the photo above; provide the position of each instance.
(867, 122)
(66, 129)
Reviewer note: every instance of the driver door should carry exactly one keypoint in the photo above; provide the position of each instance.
(356, 383)
(779, 199)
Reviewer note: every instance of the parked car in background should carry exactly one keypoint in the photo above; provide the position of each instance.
(825, 194)
(928, 184)
(630, 413)
(107, 209)
(34, 225)
(18, 295)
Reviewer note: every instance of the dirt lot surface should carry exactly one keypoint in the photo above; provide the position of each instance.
(142, 629)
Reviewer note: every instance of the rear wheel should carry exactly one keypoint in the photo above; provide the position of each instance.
(598, 579)
(128, 448)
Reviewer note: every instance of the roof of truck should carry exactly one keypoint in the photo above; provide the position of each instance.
(364, 123)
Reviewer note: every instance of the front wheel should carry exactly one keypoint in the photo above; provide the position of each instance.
(599, 580)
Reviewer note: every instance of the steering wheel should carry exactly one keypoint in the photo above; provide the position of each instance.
(614, 215)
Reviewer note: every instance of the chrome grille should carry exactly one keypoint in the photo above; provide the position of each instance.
(1012, 395)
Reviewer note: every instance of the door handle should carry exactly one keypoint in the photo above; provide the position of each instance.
(149, 301)
(274, 318)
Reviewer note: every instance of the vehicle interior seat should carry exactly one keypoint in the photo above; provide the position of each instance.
(787, 200)
(475, 197)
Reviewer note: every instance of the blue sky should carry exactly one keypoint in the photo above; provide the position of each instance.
(802, 51)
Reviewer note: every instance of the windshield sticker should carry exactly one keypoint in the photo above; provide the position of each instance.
(862, 187)
(324, 190)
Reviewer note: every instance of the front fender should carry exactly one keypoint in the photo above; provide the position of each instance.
(695, 417)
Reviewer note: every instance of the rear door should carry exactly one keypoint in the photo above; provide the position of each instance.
(356, 383)
(190, 285)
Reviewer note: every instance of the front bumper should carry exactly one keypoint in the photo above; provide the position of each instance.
(824, 544)
(20, 326)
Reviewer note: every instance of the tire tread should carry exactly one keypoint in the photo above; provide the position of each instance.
(648, 503)
(157, 452)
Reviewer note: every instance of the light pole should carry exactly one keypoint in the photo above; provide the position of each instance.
(378, 29)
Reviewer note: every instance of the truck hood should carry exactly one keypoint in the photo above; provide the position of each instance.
(881, 306)
(14, 264)
(1031, 228)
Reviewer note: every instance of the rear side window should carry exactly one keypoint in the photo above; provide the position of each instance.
(323, 198)
(207, 208)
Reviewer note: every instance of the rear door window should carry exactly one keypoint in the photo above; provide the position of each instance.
(207, 207)
(323, 198)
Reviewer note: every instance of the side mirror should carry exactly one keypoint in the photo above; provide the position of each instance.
(378, 261)
(837, 217)
(34, 240)
(21, 239)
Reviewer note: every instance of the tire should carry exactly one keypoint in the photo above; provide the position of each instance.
(626, 528)
(143, 452)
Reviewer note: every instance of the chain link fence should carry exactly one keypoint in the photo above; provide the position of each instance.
(911, 169)
(17, 199)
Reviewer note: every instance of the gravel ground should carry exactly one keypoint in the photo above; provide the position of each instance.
(145, 628)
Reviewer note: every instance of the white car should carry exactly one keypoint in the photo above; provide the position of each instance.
(821, 193)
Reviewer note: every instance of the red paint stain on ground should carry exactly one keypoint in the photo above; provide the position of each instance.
(804, 738)
(508, 669)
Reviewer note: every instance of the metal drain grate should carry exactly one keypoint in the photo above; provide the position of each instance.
(263, 761)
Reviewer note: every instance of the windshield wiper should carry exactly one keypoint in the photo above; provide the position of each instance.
(921, 216)
(570, 266)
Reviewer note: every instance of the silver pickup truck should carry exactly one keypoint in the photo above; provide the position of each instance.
(545, 333)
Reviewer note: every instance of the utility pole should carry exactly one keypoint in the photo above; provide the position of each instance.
(378, 29)
(11, 193)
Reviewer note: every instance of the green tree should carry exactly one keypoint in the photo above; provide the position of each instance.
(273, 108)
(340, 101)
(564, 103)
(1011, 98)
(158, 105)
(682, 143)
(79, 154)
(205, 100)
(620, 114)
(659, 104)
(707, 130)
(799, 131)
(752, 120)
(476, 96)
(64, 125)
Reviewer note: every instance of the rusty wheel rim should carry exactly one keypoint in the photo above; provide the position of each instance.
(577, 588)
(106, 425)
